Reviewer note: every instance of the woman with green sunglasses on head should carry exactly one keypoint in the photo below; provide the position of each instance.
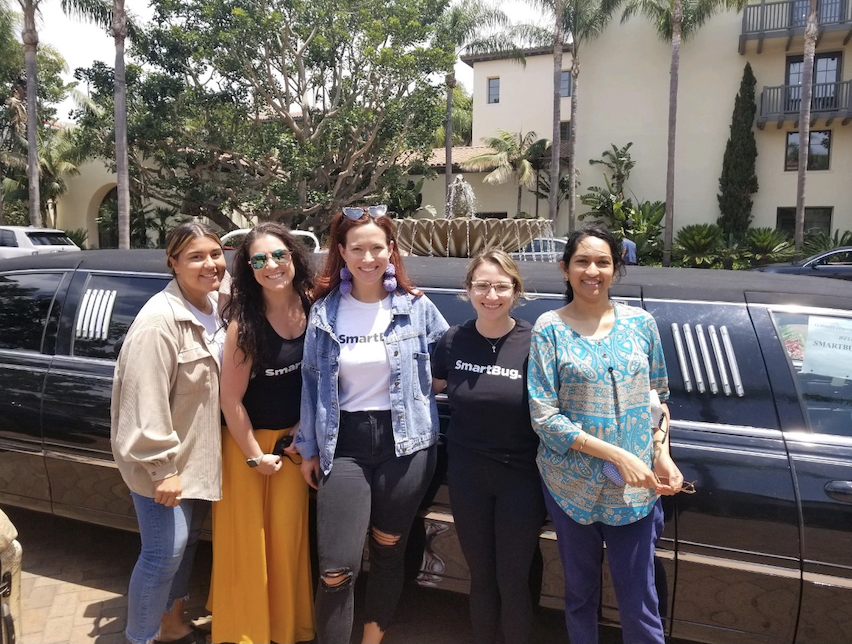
(261, 589)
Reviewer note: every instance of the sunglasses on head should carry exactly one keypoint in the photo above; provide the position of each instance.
(281, 257)
(356, 212)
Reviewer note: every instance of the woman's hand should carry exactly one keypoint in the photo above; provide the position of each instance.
(167, 492)
(634, 472)
(268, 464)
(311, 470)
(667, 471)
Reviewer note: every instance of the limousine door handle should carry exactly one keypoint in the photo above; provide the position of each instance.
(839, 490)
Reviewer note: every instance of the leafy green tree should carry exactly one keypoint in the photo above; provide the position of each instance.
(509, 160)
(674, 21)
(739, 178)
(276, 109)
(619, 162)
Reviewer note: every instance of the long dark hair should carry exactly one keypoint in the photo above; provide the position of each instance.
(593, 230)
(340, 227)
(247, 306)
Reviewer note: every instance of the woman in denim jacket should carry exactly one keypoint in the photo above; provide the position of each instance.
(369, 423)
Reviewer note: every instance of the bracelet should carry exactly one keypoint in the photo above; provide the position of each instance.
(583, 444)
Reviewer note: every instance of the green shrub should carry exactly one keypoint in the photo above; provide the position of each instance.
(79, 236)
(696, 245)
(822, 242)
(767, 245)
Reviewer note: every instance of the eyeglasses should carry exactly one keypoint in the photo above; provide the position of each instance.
(686, 488)
(484, 288)
(281, 257)
(356, 212)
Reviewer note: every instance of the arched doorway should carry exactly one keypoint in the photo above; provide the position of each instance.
(107, 219)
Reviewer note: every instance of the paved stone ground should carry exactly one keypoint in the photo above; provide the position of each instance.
(75, 577)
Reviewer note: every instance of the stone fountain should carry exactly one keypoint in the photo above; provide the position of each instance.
(462, 234)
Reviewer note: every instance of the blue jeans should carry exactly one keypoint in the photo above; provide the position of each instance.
(162, 572)
(630, 550)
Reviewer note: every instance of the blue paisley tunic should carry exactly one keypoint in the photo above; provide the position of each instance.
(600, 386)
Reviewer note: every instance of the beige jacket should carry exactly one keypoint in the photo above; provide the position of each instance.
(165, 401)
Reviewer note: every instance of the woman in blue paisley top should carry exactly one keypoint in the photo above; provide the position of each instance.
(592, 367)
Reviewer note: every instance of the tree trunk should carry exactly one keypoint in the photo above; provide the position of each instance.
(556, 140)
(668, 235)
(805, 93)
(572, 143)
(518, 212)
(450, 80)
(119, 33)
(30, 38)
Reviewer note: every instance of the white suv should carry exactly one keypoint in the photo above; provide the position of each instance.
(16, 241)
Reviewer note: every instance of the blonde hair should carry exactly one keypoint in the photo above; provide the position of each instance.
(502, 260)
(180, 236)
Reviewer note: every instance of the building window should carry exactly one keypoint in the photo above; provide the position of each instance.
(565, 130)
(825, 82)
(818, 151)
(493, 90)
(565, 85)
(817, 220)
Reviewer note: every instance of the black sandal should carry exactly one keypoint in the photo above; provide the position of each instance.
(195, 636)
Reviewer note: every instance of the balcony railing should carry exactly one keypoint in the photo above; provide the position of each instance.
(828, 101)
(787, 19)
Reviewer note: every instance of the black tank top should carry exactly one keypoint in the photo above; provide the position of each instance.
(273, 394)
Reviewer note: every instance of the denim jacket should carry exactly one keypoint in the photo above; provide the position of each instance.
(415, 329)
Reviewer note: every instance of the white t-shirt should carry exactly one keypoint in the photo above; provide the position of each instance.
(364, 382)
(214, 332)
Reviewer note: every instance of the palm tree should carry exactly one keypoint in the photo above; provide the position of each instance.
(30, 37)
(510, 159)
(674, 21)
(59, 159)
(580, 21)
(461, 122)
(113, 17)
(471, 26)
(13, 114)
(811, 33)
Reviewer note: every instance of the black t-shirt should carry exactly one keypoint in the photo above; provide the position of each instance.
(487, 388)
(273, 395)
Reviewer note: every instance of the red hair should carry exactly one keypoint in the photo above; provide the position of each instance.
(340, 227)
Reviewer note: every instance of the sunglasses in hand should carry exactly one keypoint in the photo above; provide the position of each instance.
(686, 488)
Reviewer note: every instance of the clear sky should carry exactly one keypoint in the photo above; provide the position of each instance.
(82, 43)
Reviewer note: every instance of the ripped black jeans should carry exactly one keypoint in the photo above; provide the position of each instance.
(368, 488)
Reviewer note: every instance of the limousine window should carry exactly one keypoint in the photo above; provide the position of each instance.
(107, 308)
(26, 301)
(819, 348)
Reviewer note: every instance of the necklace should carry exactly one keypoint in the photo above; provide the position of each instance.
(493, 344)
(496, 341)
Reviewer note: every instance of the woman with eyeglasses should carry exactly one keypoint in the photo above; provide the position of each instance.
(166, 434)
(369, 420)
(495, 490)
(603, 462)
(261, 588)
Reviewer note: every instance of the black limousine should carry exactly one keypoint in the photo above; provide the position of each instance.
(760, 370)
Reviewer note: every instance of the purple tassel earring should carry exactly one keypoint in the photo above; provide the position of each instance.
(389, 281)
(345, 281)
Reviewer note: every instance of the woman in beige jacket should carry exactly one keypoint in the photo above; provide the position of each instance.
(166, 433)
